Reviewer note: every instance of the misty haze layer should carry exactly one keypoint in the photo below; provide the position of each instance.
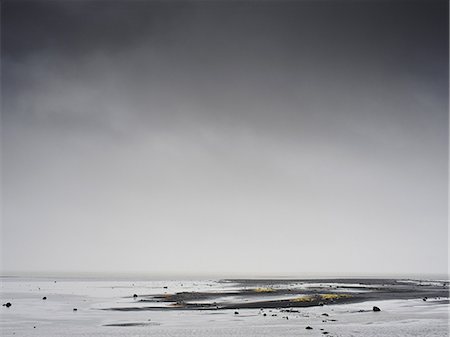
(232, 138)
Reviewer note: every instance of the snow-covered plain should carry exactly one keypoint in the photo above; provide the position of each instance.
(30, 315)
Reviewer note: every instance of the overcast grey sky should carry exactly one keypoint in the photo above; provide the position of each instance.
(225, 138)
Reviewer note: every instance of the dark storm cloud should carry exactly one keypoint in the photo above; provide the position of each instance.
(214, 53)
(322, 117)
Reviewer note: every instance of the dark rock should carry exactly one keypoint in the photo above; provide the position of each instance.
(236, 312)
(425, 298)
(376, 309)
(8, 304)
(325, 314)
(325, 332)
(308, 328)
(264, 314)
(134, 295)
(75, 309)
(44, 298)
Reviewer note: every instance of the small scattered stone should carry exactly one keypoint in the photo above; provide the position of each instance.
(44, 298)
(134, 295)
(376, 309)
(236, 312)
(75, 309)
(325, 332)
(264, 314)
(425, 298)
(308, 328)
(8, 304)
(325, 314)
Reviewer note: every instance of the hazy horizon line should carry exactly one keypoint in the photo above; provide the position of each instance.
(220, 276)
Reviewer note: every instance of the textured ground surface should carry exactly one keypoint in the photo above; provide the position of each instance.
(248, 308)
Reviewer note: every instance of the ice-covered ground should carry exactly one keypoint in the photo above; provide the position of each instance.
(30, 315)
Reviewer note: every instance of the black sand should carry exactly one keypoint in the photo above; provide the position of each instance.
(258, 293)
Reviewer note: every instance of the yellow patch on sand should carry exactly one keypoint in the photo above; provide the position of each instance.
(303, 299)
(333, 296)
(264, 290)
